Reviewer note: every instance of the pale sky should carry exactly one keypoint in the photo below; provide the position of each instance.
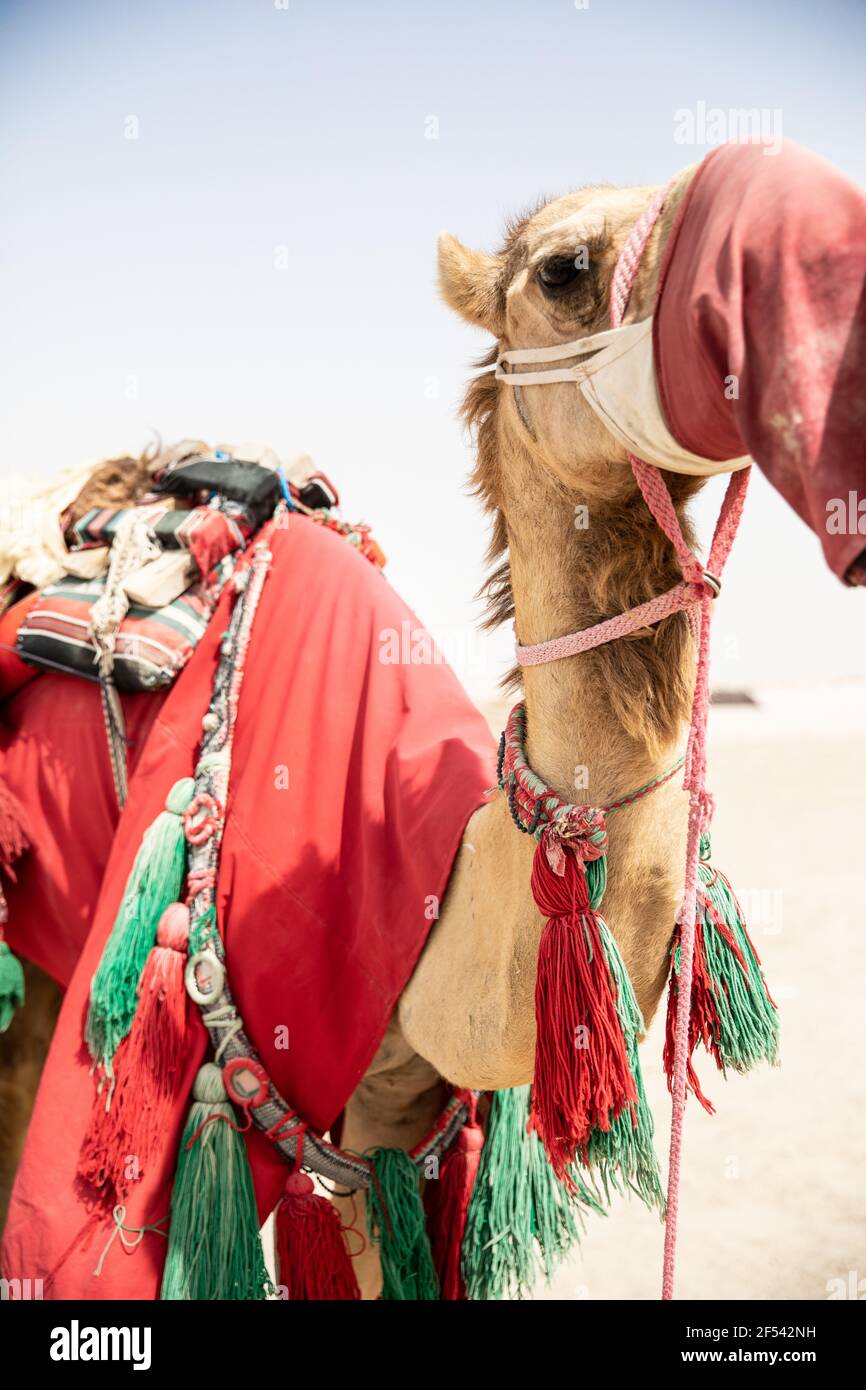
(220, 221)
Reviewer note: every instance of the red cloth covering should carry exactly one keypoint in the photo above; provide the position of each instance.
(325, 885)
(55, 760)
(764, 279)
(13, 671)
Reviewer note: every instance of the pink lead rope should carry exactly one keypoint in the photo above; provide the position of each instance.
(693, 595)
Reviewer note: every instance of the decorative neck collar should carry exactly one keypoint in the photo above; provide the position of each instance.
(535, 806)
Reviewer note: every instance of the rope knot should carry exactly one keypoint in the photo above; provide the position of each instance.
(580, 829)
(693, 572)
(201, 818)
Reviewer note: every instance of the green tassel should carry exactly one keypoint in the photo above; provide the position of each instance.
(214, 1248)
(396, 1223)
(522, 1222)
(498, 1254)
(624, 1156)
(748, 1021)
(11, 985)
(155, 882)
(596, 881)
(556, 1215)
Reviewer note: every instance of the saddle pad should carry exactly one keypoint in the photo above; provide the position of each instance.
(207, 533)
(153, 644)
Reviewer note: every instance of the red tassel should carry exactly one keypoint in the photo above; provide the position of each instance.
(575, 1088)
(313, 1263)
(446, 1202)
(703, 1018)
(15, 833)
(123, 1138)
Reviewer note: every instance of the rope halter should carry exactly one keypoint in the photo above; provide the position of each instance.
(693, 595)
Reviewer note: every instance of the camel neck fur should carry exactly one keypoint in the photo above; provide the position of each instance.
(602, 723)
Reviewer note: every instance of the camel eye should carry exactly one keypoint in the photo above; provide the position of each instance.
(558, 272)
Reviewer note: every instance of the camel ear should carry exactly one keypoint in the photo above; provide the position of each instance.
(469, 284)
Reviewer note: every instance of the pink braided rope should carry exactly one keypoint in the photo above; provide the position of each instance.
(682, 595)
(654, 489)
(629, 257)
(694, 596)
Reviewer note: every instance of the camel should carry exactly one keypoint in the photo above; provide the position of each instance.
(620, 711)
(606, 721)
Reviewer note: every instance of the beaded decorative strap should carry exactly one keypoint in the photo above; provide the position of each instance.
(205, 819)
(534, 805)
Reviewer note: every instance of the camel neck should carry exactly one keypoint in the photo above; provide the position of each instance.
(605, 721)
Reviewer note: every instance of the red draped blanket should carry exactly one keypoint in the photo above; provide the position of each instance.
(760, 332)
(353, 778)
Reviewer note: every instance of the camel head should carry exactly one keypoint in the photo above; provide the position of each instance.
(572, 540)
(550, 284)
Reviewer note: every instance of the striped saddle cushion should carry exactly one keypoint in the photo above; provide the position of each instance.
(153, 644)
(208, 533)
